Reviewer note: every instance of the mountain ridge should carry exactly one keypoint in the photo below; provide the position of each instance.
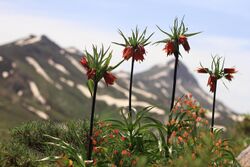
(41, 80)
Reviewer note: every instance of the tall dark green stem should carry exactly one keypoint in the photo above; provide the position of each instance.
(131, 85)
(174, 81)
(212, 121)
(90, 148)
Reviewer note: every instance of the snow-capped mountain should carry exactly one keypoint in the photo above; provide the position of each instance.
(41, 80)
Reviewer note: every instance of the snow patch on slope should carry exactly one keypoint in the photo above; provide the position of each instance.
(159, 75)
(158, 85)
(39, 113)
(36, 93)
(101, 84)
(75, 63)
(38, 68)
(209, 115)
(28, 41)
(165, 92)
(73, 50)
(124, 102)
(58, 86)
(84, 90)
(59, 67)
(67, 81)
(62, 51)
(123, 91)
(141, 85)
(123, 74)
(144, 93)
(238, 118)
(164, 84)
(118, 101)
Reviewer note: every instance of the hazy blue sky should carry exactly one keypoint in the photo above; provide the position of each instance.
(79, 23)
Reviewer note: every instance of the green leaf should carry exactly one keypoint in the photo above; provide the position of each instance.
(90, 85)
(123, 36)
(117, 65)
(107, 61)
(124, 45)
(164, 31)
(192, 34)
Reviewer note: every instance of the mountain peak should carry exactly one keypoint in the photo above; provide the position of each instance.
(34, 39)
(28, 40)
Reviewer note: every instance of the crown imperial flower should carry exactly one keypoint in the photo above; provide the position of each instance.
(178, 36)
(134, 45)
(217, 72)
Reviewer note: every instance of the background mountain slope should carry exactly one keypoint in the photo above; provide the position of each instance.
(41, 80)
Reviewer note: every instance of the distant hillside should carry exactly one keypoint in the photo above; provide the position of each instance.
(41, 80)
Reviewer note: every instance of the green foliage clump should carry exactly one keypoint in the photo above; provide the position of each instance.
(135, 140)
(27, 142)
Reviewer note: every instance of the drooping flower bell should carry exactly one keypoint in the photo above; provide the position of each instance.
(212, 82)
(169, 48)
(84, 63)
(127, 52)
(183, 41)
(109, 78)
(139, 53)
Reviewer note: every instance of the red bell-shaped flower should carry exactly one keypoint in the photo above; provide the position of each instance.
(84, 63)
(229, 70)
(212, 83)
(139, 53)
(127, 52)
(109, 78)
(202, 70)
(91, 73)
(169, 48)
(183, 41)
